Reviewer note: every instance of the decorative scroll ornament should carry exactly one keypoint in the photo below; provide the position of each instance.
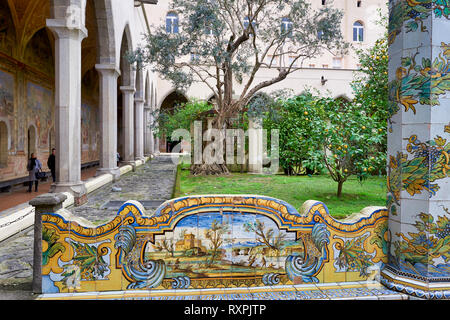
(310, 264)
(270, 279)
(142, 273)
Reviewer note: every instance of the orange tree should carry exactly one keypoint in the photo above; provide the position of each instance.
(300, 122)
(350, 138)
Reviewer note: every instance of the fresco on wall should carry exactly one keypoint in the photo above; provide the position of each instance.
(6, 94)
(40, 112)
(89, 137)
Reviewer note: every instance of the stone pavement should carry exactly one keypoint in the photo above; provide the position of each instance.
(154, 180)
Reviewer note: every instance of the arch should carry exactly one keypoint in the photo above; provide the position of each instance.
(211, 98)
(4, 144)
(172, 93)
(126, 69)
(32, 140)
(168, 104)
(171, 99)
(105, 32)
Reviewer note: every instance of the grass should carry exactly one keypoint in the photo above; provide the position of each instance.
(295, 189)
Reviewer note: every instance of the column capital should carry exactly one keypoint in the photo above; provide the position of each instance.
(63, 29)
(127, 89)
(108, 68)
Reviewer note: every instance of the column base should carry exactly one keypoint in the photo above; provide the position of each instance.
(115, 172)
(415, 285)
(130, 163)
(78, 190)
(255, 169)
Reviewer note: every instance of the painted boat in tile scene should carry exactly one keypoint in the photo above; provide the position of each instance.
(212, 241)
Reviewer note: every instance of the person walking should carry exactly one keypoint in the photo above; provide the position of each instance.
(34, 166)
(51, 163)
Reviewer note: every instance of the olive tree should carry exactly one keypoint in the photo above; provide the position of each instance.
(224, 43)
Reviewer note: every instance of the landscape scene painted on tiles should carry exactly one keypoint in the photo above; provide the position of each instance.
(217, 245)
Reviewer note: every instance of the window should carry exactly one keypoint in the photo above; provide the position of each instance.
(291, 61)
(323, 2)
(269, 60)
(358, 3)
(358, 32)
(312, 65)
(172, 23)
(195, 57)
(286, 26)
(247, 23)
(320, 35)
(208, 31)
(325, 66)
(337, 63)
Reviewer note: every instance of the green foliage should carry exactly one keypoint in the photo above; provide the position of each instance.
(351, 139)
(182, 117)
(300, 123)
(227, 50)
(321, 132)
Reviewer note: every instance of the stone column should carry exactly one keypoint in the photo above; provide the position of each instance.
(108, 119)
(128, 123)
(46, 203)
(139, 128)
(255, 145)
(68, 107)
(418, 197)
(148, 132)
(156, 148)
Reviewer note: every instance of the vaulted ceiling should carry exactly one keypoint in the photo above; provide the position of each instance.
(29, 17)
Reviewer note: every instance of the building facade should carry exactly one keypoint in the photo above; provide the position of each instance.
(327, 73)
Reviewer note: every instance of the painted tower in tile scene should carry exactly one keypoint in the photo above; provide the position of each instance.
(418, 196)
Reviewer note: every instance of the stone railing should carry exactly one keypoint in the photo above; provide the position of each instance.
(212, 241)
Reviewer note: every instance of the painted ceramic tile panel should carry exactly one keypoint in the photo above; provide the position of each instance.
(418, 172)
(187, 244)
(411, 15)
(425, 252)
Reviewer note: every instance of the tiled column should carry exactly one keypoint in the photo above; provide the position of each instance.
(108, 119)
(68, 107)
(128, 123)
(255, 145)
(418, 150)
(139, 128)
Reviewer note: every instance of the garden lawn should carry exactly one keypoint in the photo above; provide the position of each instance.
(293, 189)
